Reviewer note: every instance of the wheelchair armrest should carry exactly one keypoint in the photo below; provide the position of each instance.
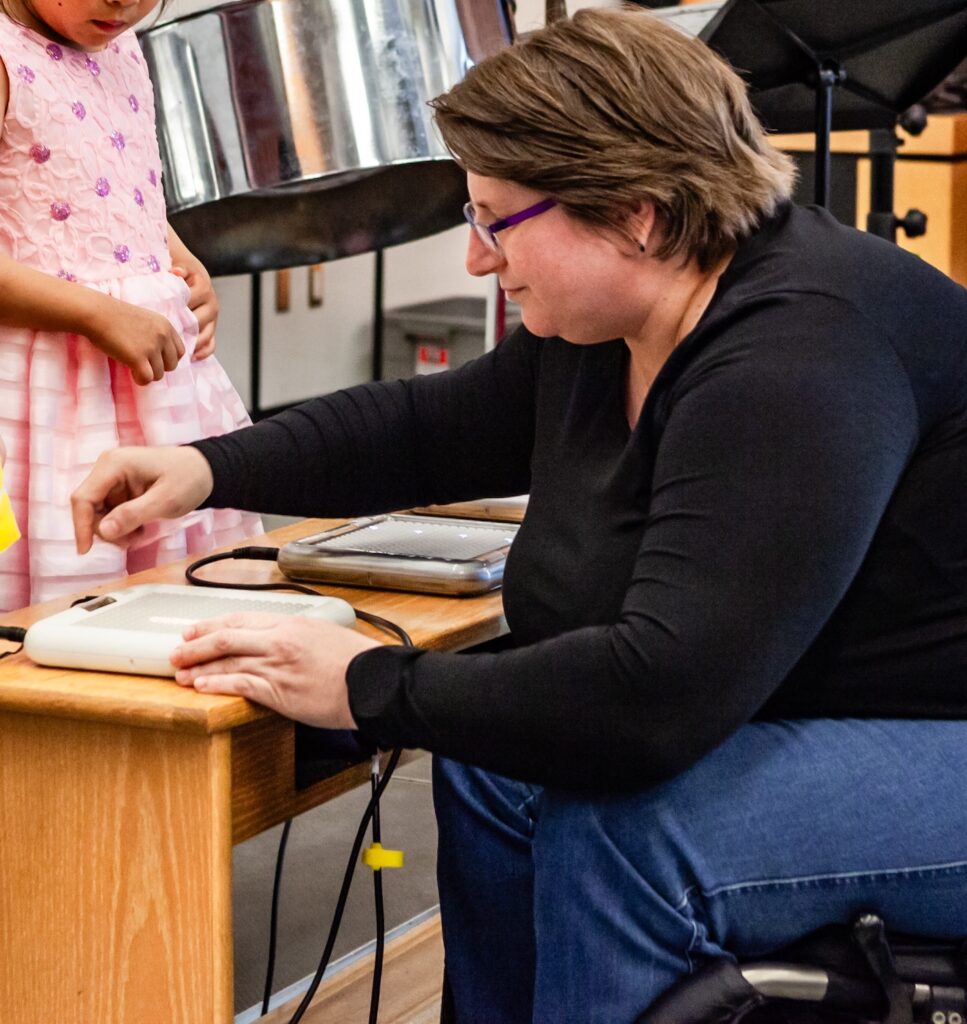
(718, 993)
(725, 991)
(807, 984)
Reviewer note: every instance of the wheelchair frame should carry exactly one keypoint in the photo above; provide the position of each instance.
(856, 975)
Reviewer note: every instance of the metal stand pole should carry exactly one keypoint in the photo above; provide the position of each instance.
(377, 364)
(881, 220)
(827, 77)
(255, 348)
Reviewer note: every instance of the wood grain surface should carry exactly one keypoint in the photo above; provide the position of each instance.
(440, 623)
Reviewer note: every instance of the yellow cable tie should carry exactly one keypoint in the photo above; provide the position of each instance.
(377, 858)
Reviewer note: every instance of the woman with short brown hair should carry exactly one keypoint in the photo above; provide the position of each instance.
(604, 116)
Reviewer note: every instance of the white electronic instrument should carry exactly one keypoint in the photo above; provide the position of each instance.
(136, 629)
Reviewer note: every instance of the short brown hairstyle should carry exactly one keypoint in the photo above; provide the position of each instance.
(612, 107)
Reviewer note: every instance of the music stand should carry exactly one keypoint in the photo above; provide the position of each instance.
(878, 56)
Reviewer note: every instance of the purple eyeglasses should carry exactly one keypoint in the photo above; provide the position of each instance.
(487, 233)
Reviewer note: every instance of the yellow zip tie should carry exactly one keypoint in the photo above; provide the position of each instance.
(377, 858)
(9, 531)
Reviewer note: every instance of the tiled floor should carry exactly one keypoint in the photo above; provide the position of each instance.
(316, 856)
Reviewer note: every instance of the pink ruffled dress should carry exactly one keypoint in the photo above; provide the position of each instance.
(81, 198)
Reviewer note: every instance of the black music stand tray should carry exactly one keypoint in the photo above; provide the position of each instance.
(879, 56)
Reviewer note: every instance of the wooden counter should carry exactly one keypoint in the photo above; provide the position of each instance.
(120, 800)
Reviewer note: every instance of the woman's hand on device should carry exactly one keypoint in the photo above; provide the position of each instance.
(129, 487)
(296, 666)
(144, 341)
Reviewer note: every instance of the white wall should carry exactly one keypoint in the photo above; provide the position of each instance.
(308, 351)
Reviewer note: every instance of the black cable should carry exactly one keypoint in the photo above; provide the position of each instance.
(372, 810)
(15, 634)
(274, 919)
(344, 890)
(262, 554)
(380, 916)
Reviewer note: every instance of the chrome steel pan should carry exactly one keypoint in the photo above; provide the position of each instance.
(297, 131)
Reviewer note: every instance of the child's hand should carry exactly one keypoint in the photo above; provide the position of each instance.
(141, 339)
(202, 301)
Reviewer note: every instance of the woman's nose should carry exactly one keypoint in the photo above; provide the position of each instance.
(481, 259)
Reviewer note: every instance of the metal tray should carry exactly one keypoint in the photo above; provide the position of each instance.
(428, 554)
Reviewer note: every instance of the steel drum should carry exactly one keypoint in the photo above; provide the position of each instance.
(297, 131)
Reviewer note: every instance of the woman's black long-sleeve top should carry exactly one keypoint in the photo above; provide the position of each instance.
(783, 534)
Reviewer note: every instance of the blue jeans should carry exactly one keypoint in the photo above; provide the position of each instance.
(559, 909)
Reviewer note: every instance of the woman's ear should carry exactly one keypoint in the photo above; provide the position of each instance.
(641, 224)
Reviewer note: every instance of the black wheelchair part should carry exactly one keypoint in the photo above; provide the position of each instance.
(839, 975)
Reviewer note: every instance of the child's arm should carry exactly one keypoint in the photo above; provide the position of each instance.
(202, 301)
(144, 341)
(139, 338)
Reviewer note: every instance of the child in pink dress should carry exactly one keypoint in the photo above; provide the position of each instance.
(106, 319)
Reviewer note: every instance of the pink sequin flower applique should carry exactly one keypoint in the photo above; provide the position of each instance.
(139, 197)
(122, 254)
(60, 210)
(153, 265)
(92, 65)
(102, 187)
(66, 275)
(54, 51)
(79, 110)
(133, 103)
(117, 140)
(39, 153)
(25, 73)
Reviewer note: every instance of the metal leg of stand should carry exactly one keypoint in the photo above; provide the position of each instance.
(255, 348)
(825, 81)
(828, 76)
(881, 220)
(378, 288)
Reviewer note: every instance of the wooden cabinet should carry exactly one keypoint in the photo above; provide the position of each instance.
(931, 175)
